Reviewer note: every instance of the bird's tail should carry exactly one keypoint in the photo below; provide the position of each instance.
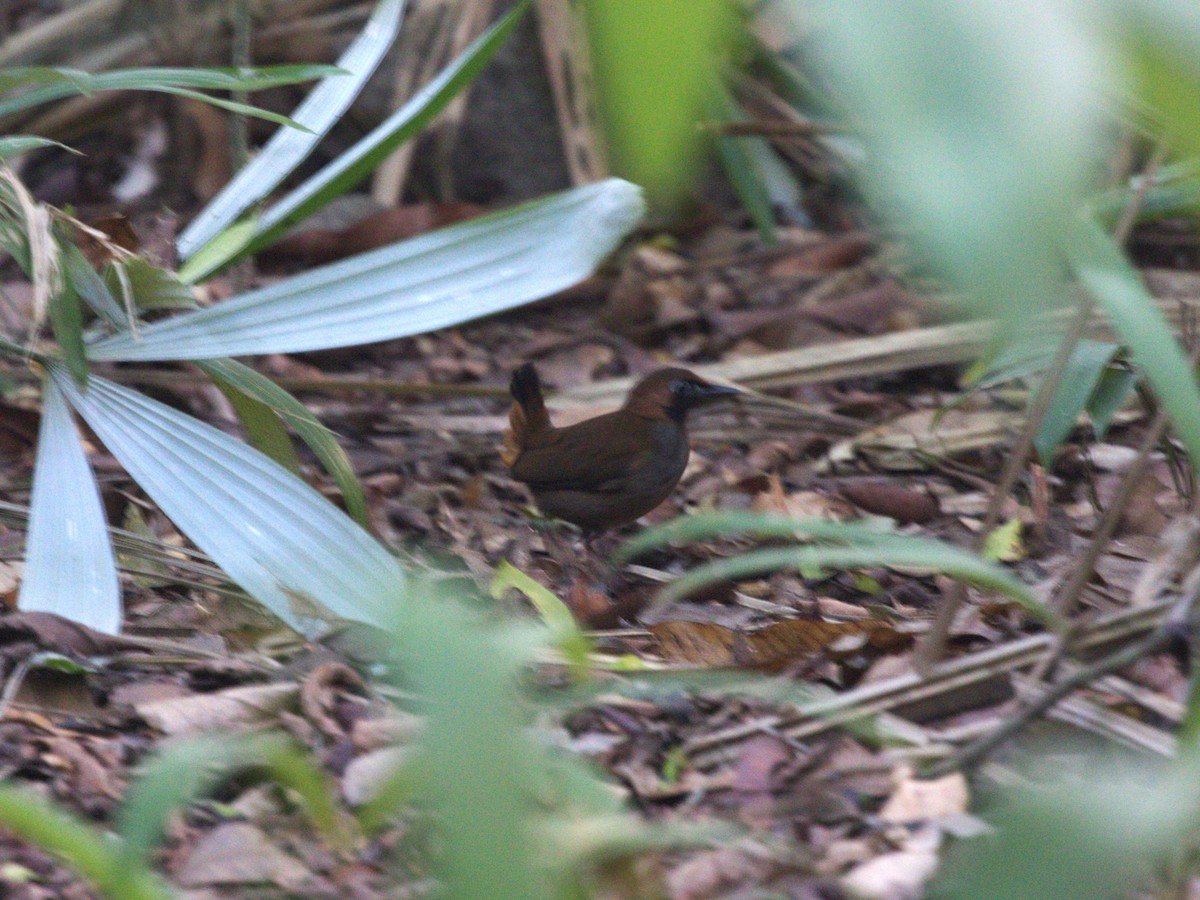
(528, 415)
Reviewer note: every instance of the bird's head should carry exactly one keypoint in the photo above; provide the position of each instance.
(672, 393)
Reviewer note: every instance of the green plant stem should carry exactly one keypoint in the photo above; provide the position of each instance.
(932, 646)
(239, 134)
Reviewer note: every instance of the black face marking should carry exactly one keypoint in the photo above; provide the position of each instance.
(684, 395)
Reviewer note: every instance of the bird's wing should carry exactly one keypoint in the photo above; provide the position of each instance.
(590, 456)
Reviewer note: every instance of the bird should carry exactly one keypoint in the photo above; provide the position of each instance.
(610, 470)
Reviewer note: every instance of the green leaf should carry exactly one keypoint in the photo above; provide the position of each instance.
(1068, 839)
(475, 744)
(354, 164)
(1010, 361)
(1160, 47)
(16, 144)
(90, 286)
(242, 109)
(706, 525)
(469, 270)
(301, 420)
(66, 320)
(1003, 544)
(60, 83)
(153, 288)
(654, 65)
(1111, 394)
(227, 245)
(69, 565)
(85, 849)
(568, 636)
(264, 429)
(275, 536)
(1174, 190)
(1118, 290)
(979, 120)
(843, 545)
(898, 550)
(742, 160)
(1080, 378)
(184, 771)
(288, 147)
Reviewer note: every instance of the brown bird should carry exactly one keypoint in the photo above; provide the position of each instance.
(607, 471)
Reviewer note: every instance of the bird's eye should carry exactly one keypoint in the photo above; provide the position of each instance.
(679, 386)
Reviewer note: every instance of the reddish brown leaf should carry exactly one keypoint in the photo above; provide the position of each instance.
(772, 647)
(891, 500)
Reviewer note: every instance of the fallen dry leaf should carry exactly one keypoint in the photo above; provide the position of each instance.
(822, 257)
(48, 631)
(800, 504)
(900, 875)
(772, 647)
(710, 873)
(321, 697)
(238, 853)
(919, 800)
(892, 500)
(226, 709)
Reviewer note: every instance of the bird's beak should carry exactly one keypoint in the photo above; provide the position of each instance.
(713, 391)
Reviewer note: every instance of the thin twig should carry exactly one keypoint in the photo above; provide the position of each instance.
(975, 752)
(1065, 601)
(326, 384)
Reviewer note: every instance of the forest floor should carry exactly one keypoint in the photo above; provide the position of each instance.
(857, 411)
(827, 811)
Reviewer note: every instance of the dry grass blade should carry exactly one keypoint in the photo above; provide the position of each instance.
(1178, 293)
(434, 35)
(55, 34)
(568, 66)
(43, 251)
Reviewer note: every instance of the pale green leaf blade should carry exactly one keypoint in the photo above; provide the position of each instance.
(899, 550)
(275, 536)
(70, 569)
(60, 83)
(302, 421)
(263, 427)
(288, 147)
(449, 276)
(356, 163)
